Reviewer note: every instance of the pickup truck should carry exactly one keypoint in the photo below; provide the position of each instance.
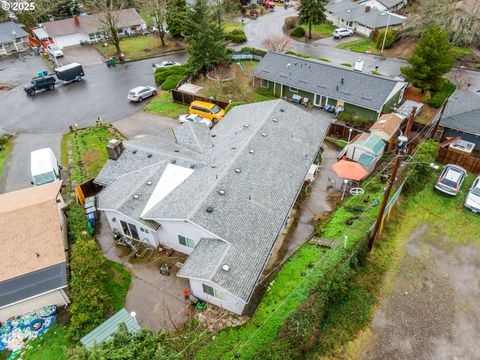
(39, 83)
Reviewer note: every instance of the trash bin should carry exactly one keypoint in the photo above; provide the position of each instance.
(113, 61)
(91, 219)
(36, 51)
(122, 58)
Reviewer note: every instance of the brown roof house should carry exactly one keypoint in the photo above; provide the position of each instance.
(386, 127)
(33, 241)
(72, 31)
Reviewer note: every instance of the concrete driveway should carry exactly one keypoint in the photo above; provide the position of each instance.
(85, 55)
(19, 69)
(140, 124)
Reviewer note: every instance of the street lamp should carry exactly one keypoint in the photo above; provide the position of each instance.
(385, 35)
(349, 135)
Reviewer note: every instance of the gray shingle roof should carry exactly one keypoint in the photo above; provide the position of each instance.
(390, 3)
(7, 29)
(273, 144)
(463, 112)
(317, 77)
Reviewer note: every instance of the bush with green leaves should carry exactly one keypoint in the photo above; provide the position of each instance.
(292, 22)
(237, 36)
(419, 169)
(389, 39)
(76, 223)
(298, 32)
(233, 104)
(171, 82)
(254, 51)
(161, 74)
(351, 118)
(445, 91)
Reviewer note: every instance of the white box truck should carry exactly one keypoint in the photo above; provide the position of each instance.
(44, 167)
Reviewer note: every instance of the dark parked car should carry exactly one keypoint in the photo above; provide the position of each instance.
(451, 179)
(40, 83)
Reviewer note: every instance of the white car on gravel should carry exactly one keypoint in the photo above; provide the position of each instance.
(194, 118)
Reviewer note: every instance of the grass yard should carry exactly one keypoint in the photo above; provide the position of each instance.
(461, 51)
(229, 26)
(140, 47)
(50, 346)
(89, 151)
(321, 30)
(117, 283)
(4, 155)
(163, 105)
(360, 45)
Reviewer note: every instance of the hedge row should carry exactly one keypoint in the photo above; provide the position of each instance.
(253, 51)
(161, 74)
(419, 169)
(447, 89)
(237, 36)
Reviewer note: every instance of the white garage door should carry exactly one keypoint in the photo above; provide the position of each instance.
(69, 40)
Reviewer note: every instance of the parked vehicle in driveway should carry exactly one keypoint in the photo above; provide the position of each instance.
(54, 50)
(472, 202)
(451, 179)
(70, 72)
(207, 110)
(165, 63)
(194, 118)
(40, 83)
(44, 167)
(342, 32)
(140, 93)
(268, 4)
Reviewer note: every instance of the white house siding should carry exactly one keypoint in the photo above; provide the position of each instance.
(70, 39)
(169, 230)
(364, 30)
(114, 219)
(56, 297)
(231, 303)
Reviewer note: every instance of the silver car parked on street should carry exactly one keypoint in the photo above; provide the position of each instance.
(140, 93)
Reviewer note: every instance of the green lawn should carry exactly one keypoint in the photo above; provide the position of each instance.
(4, 155)
(139, 47)
(50, 346)
(461, 51)
(262, 95)
(321, 30)
(360, 45)
(89, 151)
(117, 283)
(229, 26)
(163, 105)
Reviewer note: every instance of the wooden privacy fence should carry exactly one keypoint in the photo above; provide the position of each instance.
(186, 98)
(468, 162)
(341, 131)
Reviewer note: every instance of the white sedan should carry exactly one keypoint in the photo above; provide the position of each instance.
(165, 63)
(54, 50)
(194, 118)
(342, 32)
(140, 93)
(472, 201)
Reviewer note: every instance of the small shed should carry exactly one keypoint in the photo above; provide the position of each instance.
(109, 327)
(366, 149)
(387, 126)
(406, 108)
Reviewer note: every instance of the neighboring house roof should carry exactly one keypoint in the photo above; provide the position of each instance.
(32, 256)
(462, 112)
(370, 141)
(387, 3)
(357, 12)
(386, 126)
(9, 31)
(272, 144)
(91, 23)
(109, 327)
(317, 77)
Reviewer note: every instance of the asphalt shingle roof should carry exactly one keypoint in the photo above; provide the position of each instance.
(7, 29)
(249, 173)
(463, 112)
(317, 77)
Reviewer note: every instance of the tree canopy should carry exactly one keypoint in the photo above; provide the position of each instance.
(312, 12)
(176, 16)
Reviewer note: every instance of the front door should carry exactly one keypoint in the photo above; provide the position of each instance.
(278, 90)
(319, 100)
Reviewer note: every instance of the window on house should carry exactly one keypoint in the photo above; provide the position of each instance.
(125, 229)
(133, 231)
(183, 240)
(129, 230)
(213, 292)
(294, 90)
(144, 230)
(264, 83)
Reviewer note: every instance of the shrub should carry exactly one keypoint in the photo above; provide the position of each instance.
(233, 104)
(162, 74)
(253, 13)
(252, 6)
(253, 51)
(171, 82)
(447, 89)
(350, 118)
(298, 32)
(243, 10)
(419, 170)
(76, 223)
(389, 40)
(292, 22)
(236, 36)
(346, 64)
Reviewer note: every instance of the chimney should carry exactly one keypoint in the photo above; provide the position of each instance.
(367, 8)
(76, 21)
(114, 149)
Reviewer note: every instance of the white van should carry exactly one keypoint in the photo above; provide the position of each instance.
(44, 167)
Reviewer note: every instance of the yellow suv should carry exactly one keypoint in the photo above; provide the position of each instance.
(207, 110)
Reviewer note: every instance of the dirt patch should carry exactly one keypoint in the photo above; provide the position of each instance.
(91, 156)
(432, 311)
(403, 48)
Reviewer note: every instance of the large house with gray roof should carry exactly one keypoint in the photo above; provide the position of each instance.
(221, 196)
(13, 38)
(363, 94)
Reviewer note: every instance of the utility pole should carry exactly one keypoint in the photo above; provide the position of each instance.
(401, 145)
(386, 31)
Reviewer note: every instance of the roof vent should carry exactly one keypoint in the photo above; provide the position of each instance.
(282, 110)
(234, 147)
(192, 166)
(149, 183)
(209, 209)
(135, 196)
(274, 120)
(252, 151)
(245, 125)
(173, 161)
(221, 192)
(264, 135)
(341, 81)
(149, 156)
(225, 267)
(238, 170)
(134, 151)
(213, 135)
(176, 150)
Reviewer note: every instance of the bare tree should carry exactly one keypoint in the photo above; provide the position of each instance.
(157, 10)
(278, 43)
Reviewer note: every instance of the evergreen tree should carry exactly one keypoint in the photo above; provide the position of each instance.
(312, 12)
(205, 39)
(176, 17)
(431, 59)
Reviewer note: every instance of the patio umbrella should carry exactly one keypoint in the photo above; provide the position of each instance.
(349, 170)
